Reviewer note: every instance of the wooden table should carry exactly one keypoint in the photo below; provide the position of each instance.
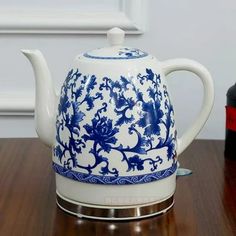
(205, 201)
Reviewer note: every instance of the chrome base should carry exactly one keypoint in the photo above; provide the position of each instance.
(114, 212)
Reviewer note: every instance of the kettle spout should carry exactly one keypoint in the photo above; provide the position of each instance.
(45, 97)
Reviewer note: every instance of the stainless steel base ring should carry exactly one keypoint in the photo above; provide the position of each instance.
(114, 212)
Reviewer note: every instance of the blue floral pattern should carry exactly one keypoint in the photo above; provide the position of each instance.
(131, 52)
(88, 140)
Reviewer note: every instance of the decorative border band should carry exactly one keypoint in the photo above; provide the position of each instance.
(112, 180)
(116, 58)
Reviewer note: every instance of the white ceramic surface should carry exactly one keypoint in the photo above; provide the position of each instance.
(112, 130)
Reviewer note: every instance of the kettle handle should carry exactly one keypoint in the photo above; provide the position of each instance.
(181, 64)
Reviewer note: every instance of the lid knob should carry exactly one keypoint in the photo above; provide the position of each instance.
(116, 36)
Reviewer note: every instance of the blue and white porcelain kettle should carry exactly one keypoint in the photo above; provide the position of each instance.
(112, 130)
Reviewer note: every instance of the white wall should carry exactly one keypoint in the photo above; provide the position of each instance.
(201, 30)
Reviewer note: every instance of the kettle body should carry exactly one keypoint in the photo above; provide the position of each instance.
(115, 142)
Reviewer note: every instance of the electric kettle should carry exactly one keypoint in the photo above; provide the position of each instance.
(112, 130)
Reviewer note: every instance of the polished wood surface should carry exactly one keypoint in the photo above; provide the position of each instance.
(205, 202)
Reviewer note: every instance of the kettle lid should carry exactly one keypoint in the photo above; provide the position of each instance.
(116, 51)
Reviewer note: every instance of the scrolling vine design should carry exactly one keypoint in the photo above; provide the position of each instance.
(103, 132)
